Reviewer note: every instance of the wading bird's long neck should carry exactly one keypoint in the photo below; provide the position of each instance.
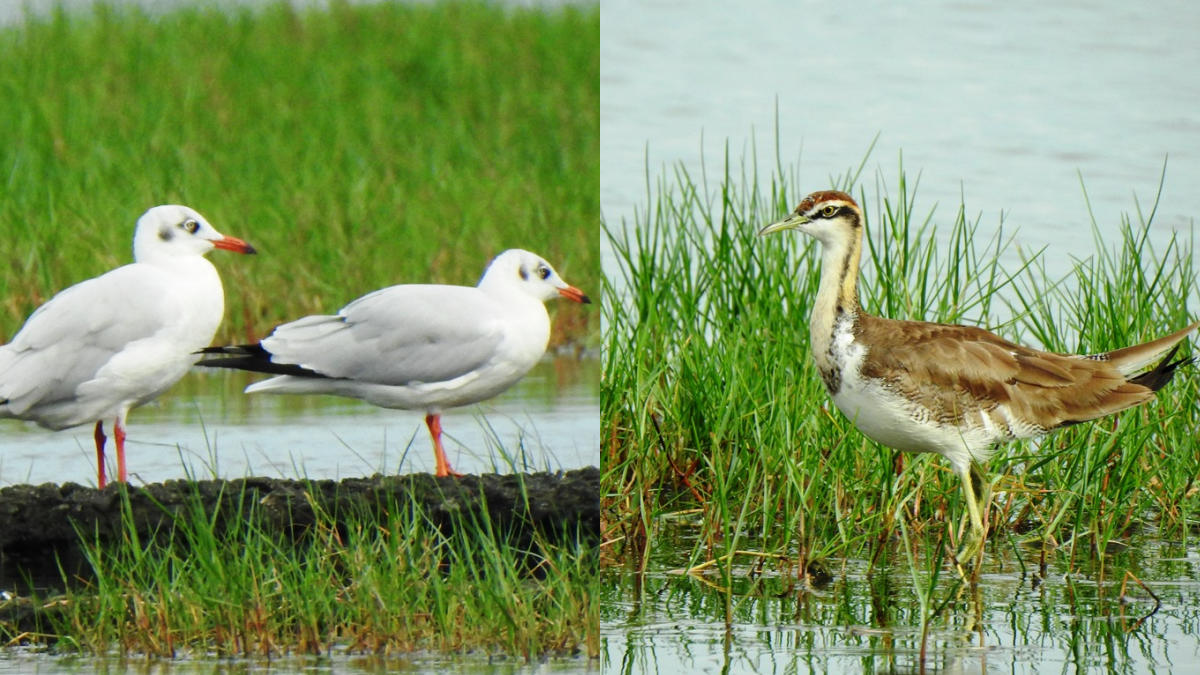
(837, 294)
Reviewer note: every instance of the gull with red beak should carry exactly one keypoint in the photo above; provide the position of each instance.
(107, 345)
(416, 346)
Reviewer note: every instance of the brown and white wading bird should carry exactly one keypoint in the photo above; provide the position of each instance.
(416, 346)
(957, 391)
(110, 344)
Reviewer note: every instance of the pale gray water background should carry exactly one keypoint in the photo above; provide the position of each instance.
(1005, 105)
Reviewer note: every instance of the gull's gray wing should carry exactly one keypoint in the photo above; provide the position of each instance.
(396, 336)
(69, 339)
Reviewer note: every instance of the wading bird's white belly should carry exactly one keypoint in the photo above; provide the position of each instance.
(890, 419)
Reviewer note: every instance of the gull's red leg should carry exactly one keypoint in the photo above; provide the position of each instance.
(100, 439)
(434, 422)
(119, 435)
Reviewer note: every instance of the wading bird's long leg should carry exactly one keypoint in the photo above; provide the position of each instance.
(978, 491)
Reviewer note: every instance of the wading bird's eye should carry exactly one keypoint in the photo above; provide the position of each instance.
(191, 226)
(828, 211)
(544, 272)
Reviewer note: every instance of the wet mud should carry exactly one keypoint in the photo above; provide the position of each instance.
(43, 527)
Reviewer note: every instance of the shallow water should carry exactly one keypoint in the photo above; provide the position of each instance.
(206, 426)
(1015, 620)
(27, 663)
(1006, 105)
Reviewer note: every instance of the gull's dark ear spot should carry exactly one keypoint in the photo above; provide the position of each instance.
(166, 233)
(524, 273)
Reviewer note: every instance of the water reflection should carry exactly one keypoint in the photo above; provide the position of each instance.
(1082, 618)
(205, 425)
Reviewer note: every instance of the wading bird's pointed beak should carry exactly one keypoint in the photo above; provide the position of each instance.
(790, 223)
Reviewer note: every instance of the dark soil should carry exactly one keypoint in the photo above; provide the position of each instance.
(43, 526)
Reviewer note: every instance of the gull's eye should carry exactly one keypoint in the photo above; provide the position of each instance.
(543, 272)
(190, 226)
(828, 211)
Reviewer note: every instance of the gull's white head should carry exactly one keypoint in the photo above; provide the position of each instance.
(530, 274)
(173, 231)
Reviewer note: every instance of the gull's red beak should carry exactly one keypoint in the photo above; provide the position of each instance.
(234, 244)
(572, 293)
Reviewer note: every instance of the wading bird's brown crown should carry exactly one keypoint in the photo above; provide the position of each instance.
(824, 196)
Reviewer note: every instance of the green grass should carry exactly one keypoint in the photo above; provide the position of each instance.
(223, 584)
(356, 147)
(710, 404)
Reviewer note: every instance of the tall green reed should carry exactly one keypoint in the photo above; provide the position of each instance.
(709, 400)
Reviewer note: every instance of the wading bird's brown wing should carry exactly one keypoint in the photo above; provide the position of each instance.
(959, 371)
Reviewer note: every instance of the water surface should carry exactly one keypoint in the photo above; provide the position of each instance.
(1016, 620)
(1006, 105)
(205, 425)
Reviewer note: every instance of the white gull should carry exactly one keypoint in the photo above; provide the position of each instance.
(107, 345)
(416, 346)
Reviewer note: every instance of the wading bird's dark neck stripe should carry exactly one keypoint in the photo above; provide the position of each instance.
(836, 303)
(847, 299)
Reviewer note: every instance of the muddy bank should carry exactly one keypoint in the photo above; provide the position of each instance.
(40, 525)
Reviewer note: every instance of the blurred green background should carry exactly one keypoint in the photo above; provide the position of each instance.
(356, 147)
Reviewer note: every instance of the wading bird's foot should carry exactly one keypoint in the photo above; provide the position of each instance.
(967, 558)
(965, 567)
(968, 553)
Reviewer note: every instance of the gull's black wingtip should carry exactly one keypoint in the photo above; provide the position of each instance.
(252, 358)
(235, 350)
